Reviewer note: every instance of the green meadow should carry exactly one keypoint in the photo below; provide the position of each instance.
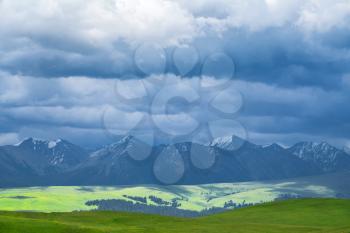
(291, 216)
(62, 209)
(191, 197)
(66, 199)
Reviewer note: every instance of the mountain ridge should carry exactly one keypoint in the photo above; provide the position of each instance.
(131, 161)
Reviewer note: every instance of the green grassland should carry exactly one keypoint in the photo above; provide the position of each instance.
(191, 197)
(294, 216)
(65, 199)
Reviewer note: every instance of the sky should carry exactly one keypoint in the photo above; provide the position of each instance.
(86, 71)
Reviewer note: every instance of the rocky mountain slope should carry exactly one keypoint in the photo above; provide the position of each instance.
(130, 161)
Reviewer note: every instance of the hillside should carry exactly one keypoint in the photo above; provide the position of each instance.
(303, 215)
(188, 197)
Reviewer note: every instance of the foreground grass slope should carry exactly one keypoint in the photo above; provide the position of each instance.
(303, 215)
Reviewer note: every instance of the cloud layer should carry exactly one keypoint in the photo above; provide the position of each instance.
(59, 62)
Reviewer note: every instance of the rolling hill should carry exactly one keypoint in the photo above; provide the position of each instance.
(187, 197)
(294, 216)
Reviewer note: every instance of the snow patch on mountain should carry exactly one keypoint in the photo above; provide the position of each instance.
(114, 148)
(231, 142)
(36, 142)
(326, 156)
(57, 159)
(53, 144)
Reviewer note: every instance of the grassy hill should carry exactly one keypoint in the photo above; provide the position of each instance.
(191, 197)
(300, 215)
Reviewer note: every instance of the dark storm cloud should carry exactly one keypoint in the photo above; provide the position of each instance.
(291, 62)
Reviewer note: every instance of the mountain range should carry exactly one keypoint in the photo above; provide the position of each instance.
(129, 161)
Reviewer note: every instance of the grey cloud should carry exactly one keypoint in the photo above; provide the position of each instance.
(58, 70)
(80, 104)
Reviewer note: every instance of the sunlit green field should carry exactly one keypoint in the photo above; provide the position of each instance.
(64, 199)
(292, 216)
(192, 197)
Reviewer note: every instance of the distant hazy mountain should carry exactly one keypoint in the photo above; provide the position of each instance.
(113, 165)
(47, 157)
(15, 172)
(324, 156)
(130, 161)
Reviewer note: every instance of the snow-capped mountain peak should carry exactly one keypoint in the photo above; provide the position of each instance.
(29, 140)
(231, 142)
(326, 156)
(114, 148)
(128, 145)
(302, 148)
(35, 142)
(53, 152)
